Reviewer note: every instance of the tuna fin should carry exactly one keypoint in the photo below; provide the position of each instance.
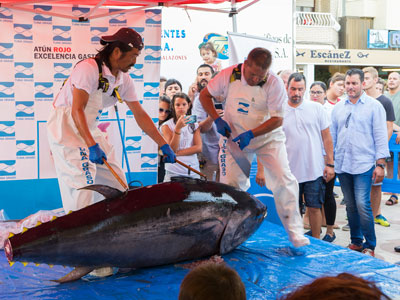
(75, 274)
(106, 191)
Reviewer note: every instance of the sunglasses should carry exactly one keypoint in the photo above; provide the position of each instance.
(161, 110)
(316, 92)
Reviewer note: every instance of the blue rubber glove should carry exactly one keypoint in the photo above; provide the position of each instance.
(169, 155)
(96, 154)
(223, 127)
(244, 139)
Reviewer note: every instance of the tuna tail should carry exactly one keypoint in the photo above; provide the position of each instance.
(75, 274)
(106, 191)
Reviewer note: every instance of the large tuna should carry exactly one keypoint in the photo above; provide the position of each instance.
(149, 226)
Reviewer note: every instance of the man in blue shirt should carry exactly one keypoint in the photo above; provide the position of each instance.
(359, 137)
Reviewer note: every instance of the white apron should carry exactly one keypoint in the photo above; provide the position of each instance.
(71, 154)
(246, 108)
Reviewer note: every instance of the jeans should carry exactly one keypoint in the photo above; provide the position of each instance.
(357, 190)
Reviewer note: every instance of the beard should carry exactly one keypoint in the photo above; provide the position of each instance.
(295, 100)
(202, 84)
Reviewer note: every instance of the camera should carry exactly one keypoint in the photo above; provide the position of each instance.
(192, 119)
(218, 106)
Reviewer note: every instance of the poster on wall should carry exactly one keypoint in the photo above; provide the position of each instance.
(37, 53)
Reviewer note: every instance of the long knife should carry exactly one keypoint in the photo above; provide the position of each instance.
(238, 155)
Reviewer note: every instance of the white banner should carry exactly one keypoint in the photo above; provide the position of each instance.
(37, 53)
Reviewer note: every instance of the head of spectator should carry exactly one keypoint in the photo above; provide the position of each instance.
(380, 86)
(256, 66)
(344, 286)
(164, 110)
(212, 282)
(208, 53)
(171, 87)
(318, 92)
(284, 75)
(204, 75)
(354, 84)
(180, 106)
(335, 87)
(296, 89)
(163, 80)
(393, 82)
(370, 80)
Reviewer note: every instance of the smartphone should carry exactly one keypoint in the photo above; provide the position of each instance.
(192, 119)
(218, 106)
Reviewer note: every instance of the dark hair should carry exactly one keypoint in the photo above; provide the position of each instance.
(344, 286)
(166, 99)
(261, 57)
(320, 83)
(104, 53)
(163, 78)
(355, 71)
(171, 82)
(205, 66)
(180, 95)
(212, 281)
(296, 77)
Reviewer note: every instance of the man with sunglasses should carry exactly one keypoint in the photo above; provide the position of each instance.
(359, 137)
(79, 148)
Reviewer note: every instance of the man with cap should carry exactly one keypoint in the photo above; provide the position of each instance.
(77, 144)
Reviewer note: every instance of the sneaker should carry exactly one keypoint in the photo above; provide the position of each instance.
(346, 227)
(355, 247)
(328, 238)
(369, 252)
(381, 220)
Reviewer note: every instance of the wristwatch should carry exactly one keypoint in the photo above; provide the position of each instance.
(381, 165)
(330, 165)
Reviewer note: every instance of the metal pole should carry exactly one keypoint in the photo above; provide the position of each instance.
(233, 14)
(294, 21)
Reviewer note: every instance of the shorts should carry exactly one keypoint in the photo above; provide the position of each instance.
(313, 191)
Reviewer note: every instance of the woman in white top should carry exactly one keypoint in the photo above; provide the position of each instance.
(183, 136)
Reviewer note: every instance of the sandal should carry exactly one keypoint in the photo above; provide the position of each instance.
(392, 200)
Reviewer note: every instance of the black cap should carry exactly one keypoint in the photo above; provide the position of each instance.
(125, 35)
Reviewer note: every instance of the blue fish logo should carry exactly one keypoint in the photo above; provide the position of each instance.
(24, 109)
(79, 12)
(5, 13)
(152, 53)
(149, 160)
(137, 71)
(5, 51)
(61, 33)
(133, 143)
(23, 70)
(23, 32)
(243, 108)
(153, 16)
(117, 19)
(42, 17)
(151, 89)
(25, 148)
(62, 70)
(138, 29)
(43, 90)
(7, 168)
(7, 128)
(129, 113)
(6, 90)
(97, 33)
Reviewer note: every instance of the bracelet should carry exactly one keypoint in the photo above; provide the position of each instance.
(178, 133)
(330, 165)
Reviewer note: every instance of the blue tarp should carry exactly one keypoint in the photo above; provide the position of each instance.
(266, 263)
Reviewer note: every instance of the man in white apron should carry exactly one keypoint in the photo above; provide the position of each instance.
(253, 114)
(77, 145)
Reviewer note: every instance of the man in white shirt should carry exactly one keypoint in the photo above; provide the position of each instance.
(306, 125)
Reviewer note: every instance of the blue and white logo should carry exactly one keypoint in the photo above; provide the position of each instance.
(153, 16)
(151, 89)
(41, 17)
(97, 33)
(152, 53)
(26, 148)
(62, 70)
(7, 168)
(104, 115)
(133, 143)
(24, 109)
(23, 70)
(5, 51)
(243, 108)
(43, 90)
(7, 128)
(149, 160)
(6, 90)
(138, 29)
(79, 12)
(117, 19)
(137, 71)
(5, 13)
(23, 32)
(61, 33)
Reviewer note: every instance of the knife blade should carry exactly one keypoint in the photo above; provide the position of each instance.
(238, 155)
